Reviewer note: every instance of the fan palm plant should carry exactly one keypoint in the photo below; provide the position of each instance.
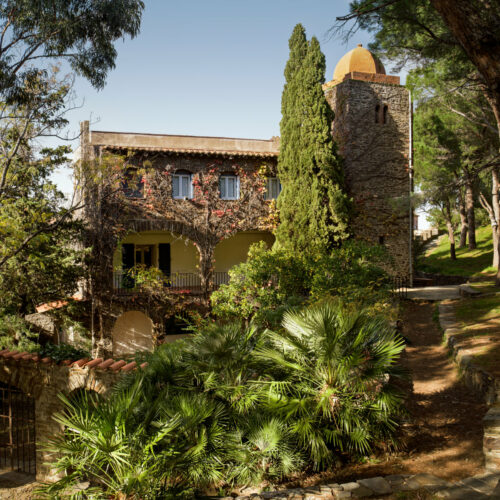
(333, 367)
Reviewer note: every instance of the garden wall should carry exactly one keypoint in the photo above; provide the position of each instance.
(43, 380)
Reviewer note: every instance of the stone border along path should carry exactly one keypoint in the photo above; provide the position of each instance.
(478, 379)
(478, 487)
(473, 488)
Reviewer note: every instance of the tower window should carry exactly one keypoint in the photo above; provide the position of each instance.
(377, 113)
(381, 240)
(229, 187)
(182, 185)
(273, 188)
(384, 113)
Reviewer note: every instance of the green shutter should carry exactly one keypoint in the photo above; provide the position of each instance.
(164, 258)
(128, 262)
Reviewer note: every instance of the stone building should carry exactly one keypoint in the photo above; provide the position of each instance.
(192, 206)
(372, 128)
(187, 206)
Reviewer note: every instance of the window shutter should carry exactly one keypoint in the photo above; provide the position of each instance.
(175, 186)
(128, 262)
(222, 187)
(231, 187)
(164, 258)
(128, 251)
(185, 186)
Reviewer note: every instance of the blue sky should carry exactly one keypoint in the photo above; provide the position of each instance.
(206, 68)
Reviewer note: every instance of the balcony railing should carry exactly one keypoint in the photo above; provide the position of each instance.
(177, 283)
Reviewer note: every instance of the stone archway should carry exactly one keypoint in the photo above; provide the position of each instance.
(132, 332)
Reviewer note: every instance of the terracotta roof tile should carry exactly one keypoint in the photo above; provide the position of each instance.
(94, 362)
(211, 152)
(105, 364)
(129, 366)
(116, 366)
(81, 362)
(99, 363)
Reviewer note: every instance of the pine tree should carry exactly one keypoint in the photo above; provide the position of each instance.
(313, 207)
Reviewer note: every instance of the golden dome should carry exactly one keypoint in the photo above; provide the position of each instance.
(360, 60)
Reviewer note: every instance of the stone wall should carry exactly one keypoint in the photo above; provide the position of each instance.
(43, 380)
(376, 162)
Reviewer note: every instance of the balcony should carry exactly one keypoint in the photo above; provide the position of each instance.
(178, 283)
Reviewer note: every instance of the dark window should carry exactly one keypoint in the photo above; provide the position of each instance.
(133, 184)
(384, 117)
(381, 240)
(164, 258)
(377, 113)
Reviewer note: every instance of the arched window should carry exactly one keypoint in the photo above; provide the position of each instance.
(133, 184)
(377, 113)
(229, 187)
(384, 116)
(182, 185)
(273, 188)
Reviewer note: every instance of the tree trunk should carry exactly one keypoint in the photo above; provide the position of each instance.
(464, 226)
(451, 237)
(469, 207)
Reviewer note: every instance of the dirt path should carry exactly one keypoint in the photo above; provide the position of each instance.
(445, 433)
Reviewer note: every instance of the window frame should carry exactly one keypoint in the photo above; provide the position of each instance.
(225, 178)
(267, 197)
(179, 175)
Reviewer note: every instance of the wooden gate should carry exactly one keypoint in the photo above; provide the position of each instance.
(17, 430)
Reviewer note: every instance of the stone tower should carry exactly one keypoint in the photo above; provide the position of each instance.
(372, 127)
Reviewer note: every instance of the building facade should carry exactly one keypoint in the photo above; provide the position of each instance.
(190, 207)
(372, 128)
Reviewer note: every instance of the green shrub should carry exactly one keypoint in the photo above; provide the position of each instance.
(272, 281)
(237, 405)
(267, 281)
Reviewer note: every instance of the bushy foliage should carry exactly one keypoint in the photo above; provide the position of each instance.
(314, 210)
(268, 280)
(237, 405)
(272, 281)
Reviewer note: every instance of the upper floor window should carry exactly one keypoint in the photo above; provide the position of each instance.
(182, 185)
(273, 188)
(381, 113)
(229, 187)
(133, 184)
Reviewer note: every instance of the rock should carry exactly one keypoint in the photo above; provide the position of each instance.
(349, 486)
(377, 484)
(341, 495)
(395, 479)
(428, 480)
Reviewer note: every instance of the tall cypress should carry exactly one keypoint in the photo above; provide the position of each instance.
(313, 207)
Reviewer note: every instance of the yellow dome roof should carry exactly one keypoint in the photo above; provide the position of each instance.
(360, 60)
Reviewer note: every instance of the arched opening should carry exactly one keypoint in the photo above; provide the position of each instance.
(176, 256)
(234, 250)
(377, 113)
(384, 114)
(132, 332)
(17, 430)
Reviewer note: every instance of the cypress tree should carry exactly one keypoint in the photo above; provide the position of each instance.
(313, 207)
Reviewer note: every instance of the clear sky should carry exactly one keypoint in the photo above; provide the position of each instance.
(203, 67)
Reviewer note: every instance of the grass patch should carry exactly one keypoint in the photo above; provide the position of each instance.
(469, 262)
(480, 334)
